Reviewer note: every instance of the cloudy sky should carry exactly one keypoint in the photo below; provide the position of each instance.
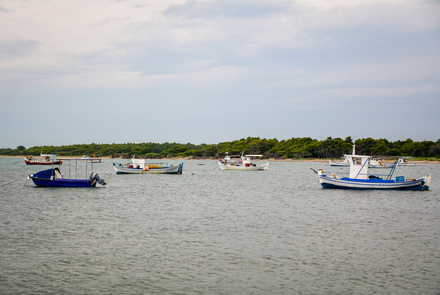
(109, 71)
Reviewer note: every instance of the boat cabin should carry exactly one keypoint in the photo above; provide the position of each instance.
(143, 164)
(247, 159)
(358, 166)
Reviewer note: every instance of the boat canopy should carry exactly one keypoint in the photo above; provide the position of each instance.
(48, 174)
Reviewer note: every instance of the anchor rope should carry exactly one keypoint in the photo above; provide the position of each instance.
(419, 183)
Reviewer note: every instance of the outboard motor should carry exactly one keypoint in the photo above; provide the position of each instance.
(95, 177)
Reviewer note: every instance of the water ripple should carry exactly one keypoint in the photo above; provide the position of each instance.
(217, 232)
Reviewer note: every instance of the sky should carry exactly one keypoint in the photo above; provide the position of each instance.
(190, 71)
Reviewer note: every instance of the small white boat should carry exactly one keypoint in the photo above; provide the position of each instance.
(378, 163)
(403, 161)
(344, 162)
(141, 166)
(360, 179)
(242, 164)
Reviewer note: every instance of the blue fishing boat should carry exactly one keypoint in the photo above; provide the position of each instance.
(360, 179)
(53, 177)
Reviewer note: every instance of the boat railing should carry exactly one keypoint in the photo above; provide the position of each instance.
(83, 159)
(393, 169)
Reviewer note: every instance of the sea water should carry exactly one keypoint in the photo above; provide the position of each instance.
(209, 231)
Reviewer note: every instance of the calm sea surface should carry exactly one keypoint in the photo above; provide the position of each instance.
(217, 232)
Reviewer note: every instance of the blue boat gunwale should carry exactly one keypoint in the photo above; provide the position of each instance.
(413, 187)
(63, 179)
(371, 180)
(41, 182)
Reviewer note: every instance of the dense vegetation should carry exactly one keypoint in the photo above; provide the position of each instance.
(270, 148)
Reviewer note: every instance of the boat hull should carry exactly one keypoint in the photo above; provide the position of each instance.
(241, 167)
(63, 182)
(42, 163)
(164, 170)
(374, 184)
(380, 166)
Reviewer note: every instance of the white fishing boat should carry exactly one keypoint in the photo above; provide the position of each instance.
(243, 164)
(403, 161)
(379, 163)
(360, 179)
(143, 166)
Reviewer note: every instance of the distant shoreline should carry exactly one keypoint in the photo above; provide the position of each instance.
(263, 160)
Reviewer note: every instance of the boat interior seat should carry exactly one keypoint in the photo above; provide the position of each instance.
(58, 173)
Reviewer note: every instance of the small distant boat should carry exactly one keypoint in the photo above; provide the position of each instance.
(344, 162)
(142, 166)
(44, 159)
(403, 161)
(243, 164)
(378, 163)
(53, 177)
(360, 179)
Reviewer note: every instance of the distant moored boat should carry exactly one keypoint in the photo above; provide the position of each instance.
(44, 159)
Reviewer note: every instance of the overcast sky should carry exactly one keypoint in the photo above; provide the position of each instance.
(108, 71)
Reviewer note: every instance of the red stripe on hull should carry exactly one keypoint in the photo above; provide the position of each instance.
(43, 163)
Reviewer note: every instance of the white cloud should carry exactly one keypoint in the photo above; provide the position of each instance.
(289, 54)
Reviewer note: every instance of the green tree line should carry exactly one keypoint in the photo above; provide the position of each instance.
(293, 148)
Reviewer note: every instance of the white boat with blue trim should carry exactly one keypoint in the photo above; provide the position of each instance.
(142, 166)
(360, 179)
